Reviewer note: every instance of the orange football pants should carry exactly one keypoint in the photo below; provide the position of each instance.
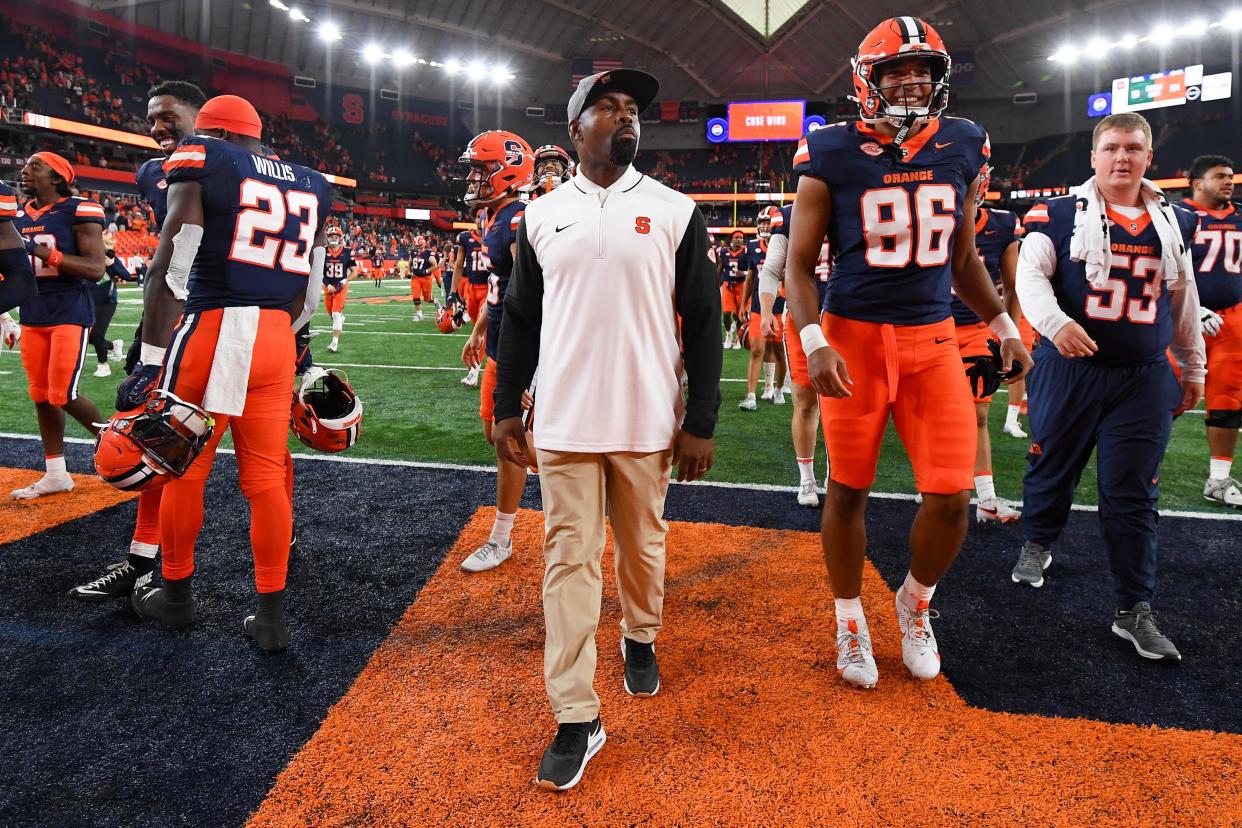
(260, 436)
(487, 390)
(1224, 363)
(52, 357)
(972, 341)
(420, 288)
(731, 297)
(475, 296)
(335, 302)
(914, 373)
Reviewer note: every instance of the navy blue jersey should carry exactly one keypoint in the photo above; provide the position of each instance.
(154, 188)
(8, 203)
(1130, 318)
(734, 264)
(500, 233)
(61, 300)
(472, 263)
(420, 262)
(757, 249)
(337, 265)
(995, 230)
(260, 221)
(893, 222)
(1217, 254)
(823, 265)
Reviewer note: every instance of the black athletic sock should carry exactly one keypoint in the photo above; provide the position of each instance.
(271, 606)
(179, 589)
(140, 564)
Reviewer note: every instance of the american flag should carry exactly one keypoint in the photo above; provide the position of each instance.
(581, 67)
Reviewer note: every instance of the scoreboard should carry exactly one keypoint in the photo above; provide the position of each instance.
(766, 120)
(1175, 87)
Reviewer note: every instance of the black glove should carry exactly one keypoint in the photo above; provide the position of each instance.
(301, 349)
(984, 372)
(137, 387)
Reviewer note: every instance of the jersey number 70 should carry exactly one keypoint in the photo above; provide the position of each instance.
(889, 230)
(269, 220)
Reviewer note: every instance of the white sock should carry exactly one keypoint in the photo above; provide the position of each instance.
(985, 487)
(912, 592)
(55, 465)
(806, 469)
(1011, 414)
(733, 327)
(502, 528)
(1221, 466)
(849, 609)
(751, 396)
(769, 374)
(143, 550)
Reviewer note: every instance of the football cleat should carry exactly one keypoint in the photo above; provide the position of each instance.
(102, 370)
(918, 642)
(768, 393)
(118, 582)
(488, 556)
(1223, 490)
(996, 510)
(749, 404)
(1015, 431)
(154, 602)
(272, 635)
(48, 484)
(327, 414)
(471, 379)
(807, 495)
(1035, 558)
(779, 397)
(333, 346)
(855, 660)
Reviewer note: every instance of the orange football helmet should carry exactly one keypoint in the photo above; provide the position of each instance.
(501, 164)
(134, 449)
(450, 317)
(547, 177)
(327, 414)
(896, 39)
(334, 233)
(769, 218)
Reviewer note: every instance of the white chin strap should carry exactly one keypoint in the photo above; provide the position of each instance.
(185, 248)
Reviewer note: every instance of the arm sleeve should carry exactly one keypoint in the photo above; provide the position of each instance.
(517, 353)
(1037, 262)
(1187, 345)
(698, 305)
(773, 272)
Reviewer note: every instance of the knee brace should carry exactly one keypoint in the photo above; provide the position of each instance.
(338, 319)
(1224, 419)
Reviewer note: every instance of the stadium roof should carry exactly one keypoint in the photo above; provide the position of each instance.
(700, 49)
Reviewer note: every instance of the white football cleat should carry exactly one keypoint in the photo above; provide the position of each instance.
(997, 510)
(855, 661)
(748, 404)
(778, 398)
(471, 379)
(737, 344)
(1223, 490)
(768, 393)
(118, 350)
(488, 556)
(49, 484)
(102, 370)
(1015, 430)
(918, 642)
(333, 347)
(807, 496)
(728, 341)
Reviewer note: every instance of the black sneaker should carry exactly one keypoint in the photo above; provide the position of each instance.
(294, 549)
(642, 674)
(270, 634)
(119, 581)
(1138, 626)
(566, 758)
(154, 602)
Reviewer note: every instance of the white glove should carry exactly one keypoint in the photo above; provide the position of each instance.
(10, 331)
(1210, 320)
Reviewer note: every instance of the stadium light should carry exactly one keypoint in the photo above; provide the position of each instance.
(329, 32)
(402, 58)
(1065, 54)
(278, 5)
(1127, 42)
(452, 66)
(372, 53)
(477, 70)
(1233, 20)
(1096, 49)
(1195, 28)
(1164, 33)
(500, 74)
(297, 16)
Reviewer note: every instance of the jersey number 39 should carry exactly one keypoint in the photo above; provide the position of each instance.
(266, 210)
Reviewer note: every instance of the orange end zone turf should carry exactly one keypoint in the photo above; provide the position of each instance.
(19, 518)
(752, 725)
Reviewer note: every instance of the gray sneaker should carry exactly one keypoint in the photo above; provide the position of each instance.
(1138, 626)
(1030, 568)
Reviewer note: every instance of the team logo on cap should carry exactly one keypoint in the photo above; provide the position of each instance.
(872, 148)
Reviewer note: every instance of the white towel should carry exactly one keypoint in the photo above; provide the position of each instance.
(1090, 242)
(230, 367)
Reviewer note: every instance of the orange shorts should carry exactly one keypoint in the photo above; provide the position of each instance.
(475, 296)
(1224, 363)
(796, 357)
(755, 328)
(420, 288)
(731, 297)
(52, 356)
(1028, 334)
(335, 302)
(972, 341)
(260, 436)
(487, 388)
(914, 373)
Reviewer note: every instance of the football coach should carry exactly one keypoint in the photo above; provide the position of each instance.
(605, 267)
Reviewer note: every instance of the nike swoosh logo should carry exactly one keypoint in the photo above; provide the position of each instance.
(942, 340)
(940, 146)
(566, 227)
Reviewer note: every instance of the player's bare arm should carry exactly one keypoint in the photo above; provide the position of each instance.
(160, 307)
(90, 261)
(1009, 279)
(459, 266)
(825, 366)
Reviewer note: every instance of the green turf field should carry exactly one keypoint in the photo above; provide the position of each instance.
(408, 375)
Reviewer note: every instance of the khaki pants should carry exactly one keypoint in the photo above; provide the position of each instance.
(576, 487)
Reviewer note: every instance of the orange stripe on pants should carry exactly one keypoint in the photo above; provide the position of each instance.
(260, 435)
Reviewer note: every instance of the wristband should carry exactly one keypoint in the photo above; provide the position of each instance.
(54, 258)
(813, 339)
(152, 355)
(1004, 328)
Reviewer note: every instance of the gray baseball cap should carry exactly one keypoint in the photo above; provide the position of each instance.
(639, 85)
